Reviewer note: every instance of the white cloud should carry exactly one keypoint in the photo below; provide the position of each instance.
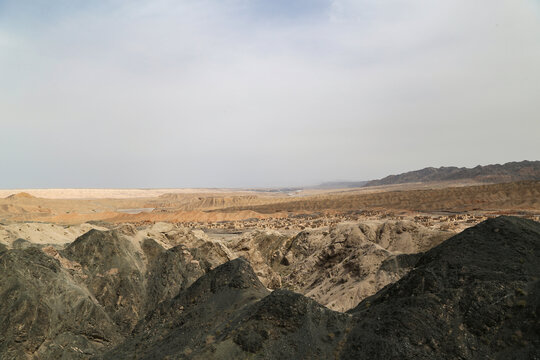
(190, 90)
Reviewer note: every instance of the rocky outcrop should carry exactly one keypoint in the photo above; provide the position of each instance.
(196, 316)
(265, 251)
(46, 313)
(170, 272)
(113, 270)
(341, 266)
(475, 296)
(72, 303)
(106, 296)
(227, 314)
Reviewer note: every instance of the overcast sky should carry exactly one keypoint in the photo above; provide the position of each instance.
(236, 93)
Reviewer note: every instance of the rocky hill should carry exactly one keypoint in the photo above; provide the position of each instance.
(475, 296)
(229, 314)
(341, 266)
(512, 171)
(161, 293)
(20, 195)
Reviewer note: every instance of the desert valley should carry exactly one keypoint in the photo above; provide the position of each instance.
(270, 180)
(437, 263)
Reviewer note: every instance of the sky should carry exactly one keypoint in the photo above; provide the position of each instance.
(255, 93)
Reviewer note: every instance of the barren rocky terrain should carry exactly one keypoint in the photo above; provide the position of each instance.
(519, 198)
(413, 271)
(337, 266)
(164, 291)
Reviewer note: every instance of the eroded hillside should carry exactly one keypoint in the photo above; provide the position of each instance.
(154, 291)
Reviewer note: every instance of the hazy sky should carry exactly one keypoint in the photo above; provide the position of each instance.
(233, 93)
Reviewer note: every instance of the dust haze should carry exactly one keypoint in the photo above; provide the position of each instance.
(245, 94)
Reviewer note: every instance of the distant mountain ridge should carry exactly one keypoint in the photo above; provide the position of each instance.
(496, 173)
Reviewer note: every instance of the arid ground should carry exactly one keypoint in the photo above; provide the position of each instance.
(272, 208)
(127, 255)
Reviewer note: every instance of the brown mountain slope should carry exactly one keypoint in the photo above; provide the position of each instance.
(512, 171)
(508, 196)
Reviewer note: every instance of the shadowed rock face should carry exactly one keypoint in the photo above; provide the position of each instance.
(289, 325)
(475, 296)
(129, 278)
(46, 313)
(169, 272)
(113, 270)
(196, 315)
(75, 302)
(227, 314)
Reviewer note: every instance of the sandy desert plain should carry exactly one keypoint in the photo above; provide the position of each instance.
(446, 203)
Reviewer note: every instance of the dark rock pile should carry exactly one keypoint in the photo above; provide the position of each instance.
(475, 296)
(76, 302)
